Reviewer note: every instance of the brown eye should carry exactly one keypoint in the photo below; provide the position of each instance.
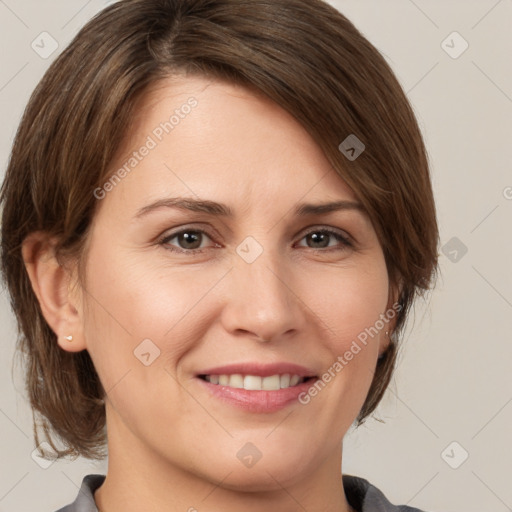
(187, 240)
(321, 238)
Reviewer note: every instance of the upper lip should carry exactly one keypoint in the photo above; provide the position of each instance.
(263, 370)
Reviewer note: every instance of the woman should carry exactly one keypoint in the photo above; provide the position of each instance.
(216, 217)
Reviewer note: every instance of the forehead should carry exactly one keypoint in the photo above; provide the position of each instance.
(233, 144)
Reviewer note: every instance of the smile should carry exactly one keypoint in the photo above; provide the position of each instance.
(256, 382)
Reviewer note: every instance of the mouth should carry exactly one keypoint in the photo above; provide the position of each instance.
(257, 387)
(257, 382)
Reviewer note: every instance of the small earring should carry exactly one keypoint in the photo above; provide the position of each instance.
(391, 336)
(69, 338)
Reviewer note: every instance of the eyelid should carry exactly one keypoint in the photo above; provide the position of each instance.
(330, 229)
(202, 228)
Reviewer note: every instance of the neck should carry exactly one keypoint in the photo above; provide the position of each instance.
(139, 478)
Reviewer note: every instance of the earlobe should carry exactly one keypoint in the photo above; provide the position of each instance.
(387, 336)
(384, 343)
(51, 284)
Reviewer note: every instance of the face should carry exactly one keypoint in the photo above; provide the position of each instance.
(188, 304)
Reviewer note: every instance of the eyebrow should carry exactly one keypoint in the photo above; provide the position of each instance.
(223, 210)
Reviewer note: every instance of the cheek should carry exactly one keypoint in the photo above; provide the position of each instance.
(349, 301)
(140, 312)
(137, 298)
(351, 314)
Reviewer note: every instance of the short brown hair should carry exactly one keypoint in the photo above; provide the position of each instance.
(304, 55)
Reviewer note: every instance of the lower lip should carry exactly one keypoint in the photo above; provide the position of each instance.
(257, 401)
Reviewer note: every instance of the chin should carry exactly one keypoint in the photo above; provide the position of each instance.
(267, 477)
(271, 472)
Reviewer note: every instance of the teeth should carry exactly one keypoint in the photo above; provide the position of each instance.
(251, 382)
(236, 381)
(294, 380)
(256, 382)
(271, 383)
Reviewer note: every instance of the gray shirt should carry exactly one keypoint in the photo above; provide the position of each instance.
(360, 493)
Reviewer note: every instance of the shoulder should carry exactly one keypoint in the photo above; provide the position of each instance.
(365, 497)
(84, 502)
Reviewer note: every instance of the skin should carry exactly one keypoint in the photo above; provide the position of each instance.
(171, 445)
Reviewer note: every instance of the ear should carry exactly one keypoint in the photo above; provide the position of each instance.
(53, 286)
(395, 291)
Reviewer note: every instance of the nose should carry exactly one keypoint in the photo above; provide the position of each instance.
(262, 300)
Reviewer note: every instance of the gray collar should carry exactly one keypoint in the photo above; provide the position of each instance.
(361, 494)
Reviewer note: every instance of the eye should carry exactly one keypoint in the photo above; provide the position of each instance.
(189, 241)
(320, 239)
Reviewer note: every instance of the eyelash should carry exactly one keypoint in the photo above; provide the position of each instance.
(346, 243)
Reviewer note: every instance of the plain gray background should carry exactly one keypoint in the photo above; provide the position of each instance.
(445, 445)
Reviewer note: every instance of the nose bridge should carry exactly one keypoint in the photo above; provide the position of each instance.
(263, 302)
